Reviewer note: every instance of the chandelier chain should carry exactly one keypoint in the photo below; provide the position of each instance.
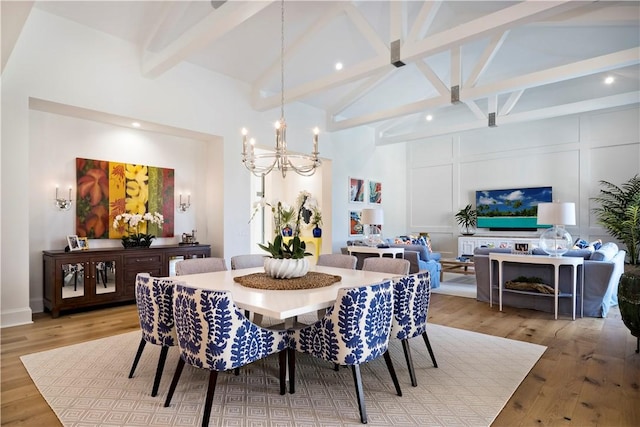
(282, 60)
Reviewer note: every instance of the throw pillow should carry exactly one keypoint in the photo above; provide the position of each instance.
(605, 253)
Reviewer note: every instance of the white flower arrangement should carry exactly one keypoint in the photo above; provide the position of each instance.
(133, 221)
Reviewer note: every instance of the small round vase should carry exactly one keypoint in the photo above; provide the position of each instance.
(286, 268)
(317, 231)
(287, 231)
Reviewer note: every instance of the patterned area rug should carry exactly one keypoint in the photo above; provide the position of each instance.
(86, 385)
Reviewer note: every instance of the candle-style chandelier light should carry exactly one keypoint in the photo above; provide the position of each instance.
(261, 164)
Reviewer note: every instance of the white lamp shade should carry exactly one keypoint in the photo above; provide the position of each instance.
(372, 216)
(557, 213)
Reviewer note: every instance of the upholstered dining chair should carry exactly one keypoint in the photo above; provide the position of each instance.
(154, 302)
(337, 260)
(395, 266)
(355, 330)
(200, 265)
(213, 334)
(411, 295)
(239, 262)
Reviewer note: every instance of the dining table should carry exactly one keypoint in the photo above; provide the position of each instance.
(286, 304)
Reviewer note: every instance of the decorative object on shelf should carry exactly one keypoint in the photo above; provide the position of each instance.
(287, 259)
(290, 220)
(134, 225)
(556, 241)
(467, 219)
(372, 220)
(72, 242)
(263, 163)
(61, 203)
(189, 239)
(316, 221)
(184, 206)
(619, 213)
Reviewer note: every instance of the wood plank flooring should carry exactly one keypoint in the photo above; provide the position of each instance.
(589, 375)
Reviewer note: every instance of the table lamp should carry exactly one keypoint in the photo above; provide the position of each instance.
(556, 241)
(372, 219)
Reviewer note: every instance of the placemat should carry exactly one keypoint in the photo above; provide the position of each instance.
(311, 280)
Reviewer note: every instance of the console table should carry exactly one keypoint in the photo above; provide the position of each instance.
(467, 244)
(394, 252)
(93, 277)
(574, 262)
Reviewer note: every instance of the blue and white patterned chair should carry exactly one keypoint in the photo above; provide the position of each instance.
(355, 330)
(411, 295)
(214, 334)
(154, 301)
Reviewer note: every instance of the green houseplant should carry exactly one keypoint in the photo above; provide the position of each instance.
(287, 258)
(467, 219)
(619, 213)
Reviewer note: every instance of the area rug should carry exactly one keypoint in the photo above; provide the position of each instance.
(457, 285)
(87, 385)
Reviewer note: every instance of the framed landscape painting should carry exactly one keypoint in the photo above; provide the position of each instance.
(375, 192)
(356, 190)
(355, 223)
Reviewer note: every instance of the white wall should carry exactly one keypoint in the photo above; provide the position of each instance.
(57, 60)
(571, 154)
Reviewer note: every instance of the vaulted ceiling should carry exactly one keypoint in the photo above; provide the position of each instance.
(463, 60)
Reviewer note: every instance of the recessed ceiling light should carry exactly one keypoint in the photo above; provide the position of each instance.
(609, 79)
(135, 124)
(429, 117)
(338, 66)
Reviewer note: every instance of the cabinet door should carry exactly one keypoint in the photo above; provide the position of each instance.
(74, 276)
(105, 272)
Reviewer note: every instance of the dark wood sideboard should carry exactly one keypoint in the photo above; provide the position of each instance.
(94, 277)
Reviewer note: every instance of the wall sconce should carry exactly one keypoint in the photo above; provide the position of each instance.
(61, 203)
(183, 207)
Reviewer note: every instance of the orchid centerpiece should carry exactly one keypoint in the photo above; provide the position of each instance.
(134, 225)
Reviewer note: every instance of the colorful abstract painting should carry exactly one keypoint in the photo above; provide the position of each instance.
(356, 190)
(375, 192)
(355, 223)
(106, 189)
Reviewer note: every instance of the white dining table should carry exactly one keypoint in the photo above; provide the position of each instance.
(282, 304)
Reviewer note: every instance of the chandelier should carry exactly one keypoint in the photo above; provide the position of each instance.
(261, 164)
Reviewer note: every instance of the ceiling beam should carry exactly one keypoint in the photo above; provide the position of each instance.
(218, 23)
(565, 72)
(357, 93)
(485, 59)
(500, 21)
(425, 18)
(539, 114)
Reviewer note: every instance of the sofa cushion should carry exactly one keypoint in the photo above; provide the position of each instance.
(606, 252)
(576, 253)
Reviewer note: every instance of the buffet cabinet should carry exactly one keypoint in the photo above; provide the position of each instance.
(94, 277)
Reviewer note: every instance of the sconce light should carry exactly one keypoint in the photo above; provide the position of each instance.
(183, 207)
(61, 203)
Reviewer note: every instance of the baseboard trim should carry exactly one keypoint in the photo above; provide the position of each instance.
(16, 317)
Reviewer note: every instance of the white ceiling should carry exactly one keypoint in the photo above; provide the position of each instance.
(522, 60)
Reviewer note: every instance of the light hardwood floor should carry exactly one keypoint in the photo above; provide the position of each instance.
(588, 376)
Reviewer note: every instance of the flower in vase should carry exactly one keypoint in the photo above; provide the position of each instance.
(132, 224)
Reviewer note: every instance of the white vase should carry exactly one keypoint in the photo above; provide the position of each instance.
(286, 268)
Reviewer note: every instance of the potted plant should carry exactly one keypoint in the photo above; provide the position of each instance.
(286, 215)
(287, 259)
(467, 219)
(619, 213)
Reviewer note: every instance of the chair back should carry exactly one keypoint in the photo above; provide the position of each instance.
(239, 262)
(154, 301)
(200, 265)
(395, 266)
(411, 296)
(337, 260)
(354, 330)
(214, 334)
